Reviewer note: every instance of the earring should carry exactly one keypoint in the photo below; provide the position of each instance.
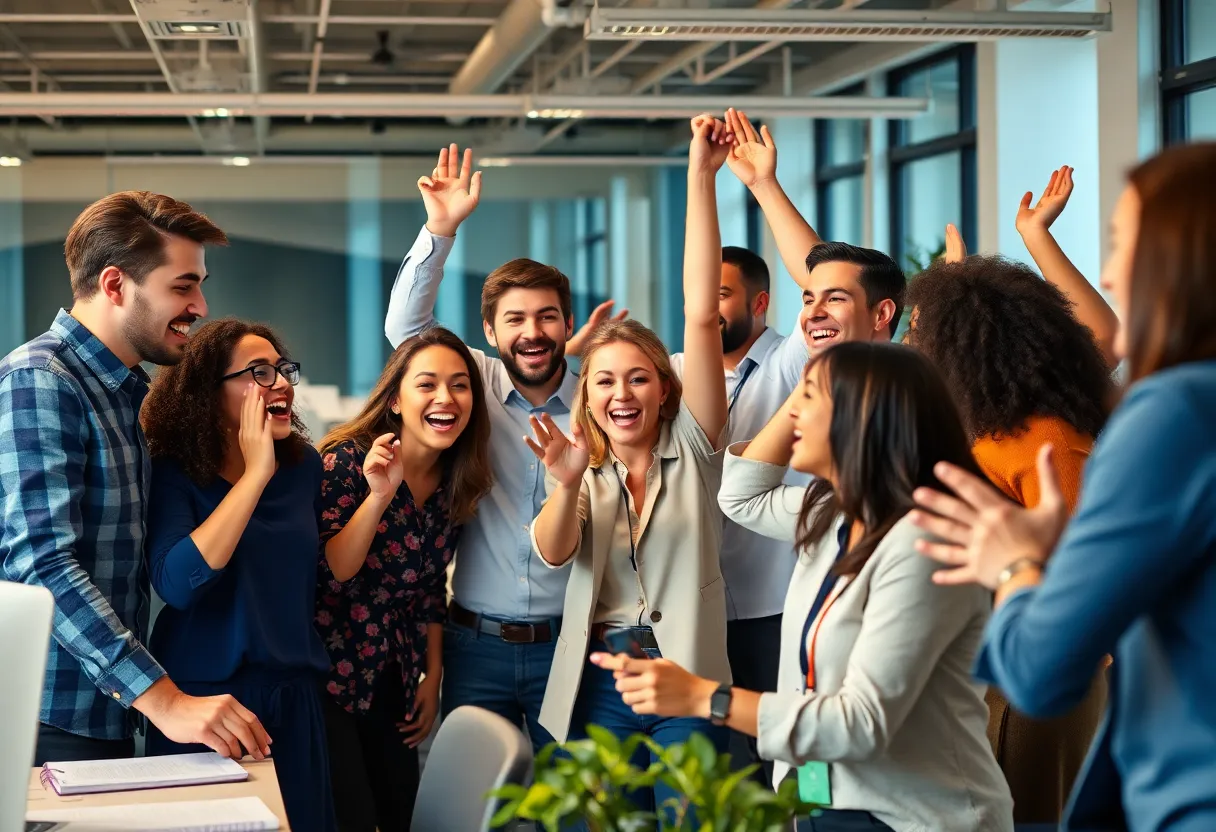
(589, 410)
(396, 410)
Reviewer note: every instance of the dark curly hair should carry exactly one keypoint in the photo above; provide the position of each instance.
(1009, 346)
(181, 414)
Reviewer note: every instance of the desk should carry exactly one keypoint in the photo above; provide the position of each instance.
(262, 783)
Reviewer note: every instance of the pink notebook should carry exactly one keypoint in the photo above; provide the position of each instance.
(92, 776)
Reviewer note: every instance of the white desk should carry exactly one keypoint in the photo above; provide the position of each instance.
(262, 783)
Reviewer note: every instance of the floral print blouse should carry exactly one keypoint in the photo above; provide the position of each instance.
(380, 615)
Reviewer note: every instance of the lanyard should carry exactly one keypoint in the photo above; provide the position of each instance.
(734, 397)
(633, 552)
(819, 611)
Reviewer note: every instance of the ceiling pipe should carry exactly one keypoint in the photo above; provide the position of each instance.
(519, 30)
(257, 72)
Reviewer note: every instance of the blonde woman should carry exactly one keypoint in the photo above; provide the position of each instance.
(632, 509)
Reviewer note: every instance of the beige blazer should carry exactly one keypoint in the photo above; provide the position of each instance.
(677, 557)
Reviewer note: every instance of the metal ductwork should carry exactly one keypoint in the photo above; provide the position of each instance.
(520, 29)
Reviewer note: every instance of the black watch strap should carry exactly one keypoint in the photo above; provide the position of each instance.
(719, 705)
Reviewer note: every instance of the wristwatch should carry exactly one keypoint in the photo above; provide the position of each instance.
(719, 705)
(1018, 566)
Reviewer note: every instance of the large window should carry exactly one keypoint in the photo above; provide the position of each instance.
(591, 279)
(933, 177)
(1188, 70)
(840, 167)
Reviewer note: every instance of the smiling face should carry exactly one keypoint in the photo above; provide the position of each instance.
(251, 351)
(625, 394)
(166, 303)
(530, 335)
(435, 398)
(834, 308)
(1117, 273)
(812, 415)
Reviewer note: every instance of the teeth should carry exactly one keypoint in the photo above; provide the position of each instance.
(277, 406)
(180, 329)
(623, 414)
(442, 417)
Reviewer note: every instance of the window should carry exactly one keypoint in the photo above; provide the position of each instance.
(1188, 70)
(591, 280)
(932, 156)
(840, 168)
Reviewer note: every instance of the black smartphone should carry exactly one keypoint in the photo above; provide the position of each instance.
(625, 640)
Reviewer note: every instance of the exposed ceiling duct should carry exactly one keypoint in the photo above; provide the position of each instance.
(519, 30)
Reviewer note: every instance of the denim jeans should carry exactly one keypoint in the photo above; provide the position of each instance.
(599, 703)
(507, 679)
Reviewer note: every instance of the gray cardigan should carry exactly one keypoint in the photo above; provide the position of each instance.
(895, 711)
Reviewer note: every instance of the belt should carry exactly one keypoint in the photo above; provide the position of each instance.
(645, 634)
(512, 632)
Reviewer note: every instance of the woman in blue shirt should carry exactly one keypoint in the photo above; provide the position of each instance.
(1134, 573)
(232, 549)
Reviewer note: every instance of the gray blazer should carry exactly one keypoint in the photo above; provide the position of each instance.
(895, 711)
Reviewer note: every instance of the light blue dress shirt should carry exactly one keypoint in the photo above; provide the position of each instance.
(495, 573)
(757, 569)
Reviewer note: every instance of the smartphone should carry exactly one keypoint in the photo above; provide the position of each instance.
(625, 640)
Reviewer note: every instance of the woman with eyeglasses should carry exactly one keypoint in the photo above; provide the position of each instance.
(232, 549)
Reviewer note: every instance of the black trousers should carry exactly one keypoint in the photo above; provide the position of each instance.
(373, 772)
(753, 646)
(842, 820)
(58, 746)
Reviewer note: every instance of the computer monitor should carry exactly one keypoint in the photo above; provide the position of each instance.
(25, 634)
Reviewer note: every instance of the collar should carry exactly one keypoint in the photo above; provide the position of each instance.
(760, 348)
(562, 400)
(96, 356)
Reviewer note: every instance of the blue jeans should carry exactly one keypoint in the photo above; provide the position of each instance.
(507, 679)
(599, 703)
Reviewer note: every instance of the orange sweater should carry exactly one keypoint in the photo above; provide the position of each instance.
(1010, 461)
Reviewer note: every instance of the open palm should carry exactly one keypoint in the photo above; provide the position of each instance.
(451, 192)
(753, 158)
(566, 458)
(1051, 203)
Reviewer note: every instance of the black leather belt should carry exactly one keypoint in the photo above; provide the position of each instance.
(512, 632)
(645, 635)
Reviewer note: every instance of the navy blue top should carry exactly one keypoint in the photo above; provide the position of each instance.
(258, 610)
(1134, 575)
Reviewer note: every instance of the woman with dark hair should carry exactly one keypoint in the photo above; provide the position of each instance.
(1023, 372)
(875, 705)
(232, 548)
(1134, 571)
(400, 480)
(1020, 367)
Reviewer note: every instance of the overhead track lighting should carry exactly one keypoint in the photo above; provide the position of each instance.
(851, 25)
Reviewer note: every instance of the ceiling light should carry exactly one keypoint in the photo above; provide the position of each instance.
(10, 161)
(852, 25)
(237, 161)
(533, 114)
(220, 112)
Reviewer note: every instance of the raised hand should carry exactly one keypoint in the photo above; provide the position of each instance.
(956, 249)
(981, 530)
(753, 157)
(710, 145)
(256, 437)
(383, 468)
(1050, 205)
(451, 192)
(566, 458)
(601, 313)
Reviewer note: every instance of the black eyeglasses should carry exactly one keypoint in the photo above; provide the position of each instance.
(265, 374)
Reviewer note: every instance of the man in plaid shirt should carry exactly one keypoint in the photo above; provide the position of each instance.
(74, 475)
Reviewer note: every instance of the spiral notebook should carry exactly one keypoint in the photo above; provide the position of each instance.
(92, 776)
(234, 814)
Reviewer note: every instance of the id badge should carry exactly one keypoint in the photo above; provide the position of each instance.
(813, 784)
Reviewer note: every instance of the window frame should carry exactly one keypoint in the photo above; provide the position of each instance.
(1179, 80)
(827, 174)
(900, 153)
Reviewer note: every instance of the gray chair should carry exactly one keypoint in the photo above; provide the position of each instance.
(475, 752)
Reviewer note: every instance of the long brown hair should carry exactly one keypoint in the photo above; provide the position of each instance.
(467, 462)
(622, 332)
(892, 421)
(1172, 303)
(181, 414)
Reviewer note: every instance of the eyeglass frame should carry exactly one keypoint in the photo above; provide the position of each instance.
(295, 365)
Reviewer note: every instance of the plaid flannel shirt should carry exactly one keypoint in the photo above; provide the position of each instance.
(74, 474)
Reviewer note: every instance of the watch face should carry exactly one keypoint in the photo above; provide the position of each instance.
(719, 704)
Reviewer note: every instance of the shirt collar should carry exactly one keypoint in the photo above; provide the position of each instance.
(562, 400)
(95, 355)
(759, 349)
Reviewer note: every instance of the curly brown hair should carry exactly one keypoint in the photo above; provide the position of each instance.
(1009, 347)
(181, 414)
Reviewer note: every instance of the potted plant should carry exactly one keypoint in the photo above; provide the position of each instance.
(590, 780)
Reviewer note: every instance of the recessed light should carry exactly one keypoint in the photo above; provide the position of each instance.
(238, 161)
(221, 112)
(10, 161)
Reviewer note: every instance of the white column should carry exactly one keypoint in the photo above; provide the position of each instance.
(629, 246)
(364, 281)
(877, 216)
(538, 231)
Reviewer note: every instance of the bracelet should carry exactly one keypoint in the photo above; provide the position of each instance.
(1018, 566)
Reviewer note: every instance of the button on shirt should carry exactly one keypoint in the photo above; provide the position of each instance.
(74, 472)
(495, 572)
(757, 569)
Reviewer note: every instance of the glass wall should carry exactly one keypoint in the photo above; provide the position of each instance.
(841, 146)
(1188, 70)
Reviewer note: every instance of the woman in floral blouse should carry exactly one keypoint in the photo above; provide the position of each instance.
(398, 482)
